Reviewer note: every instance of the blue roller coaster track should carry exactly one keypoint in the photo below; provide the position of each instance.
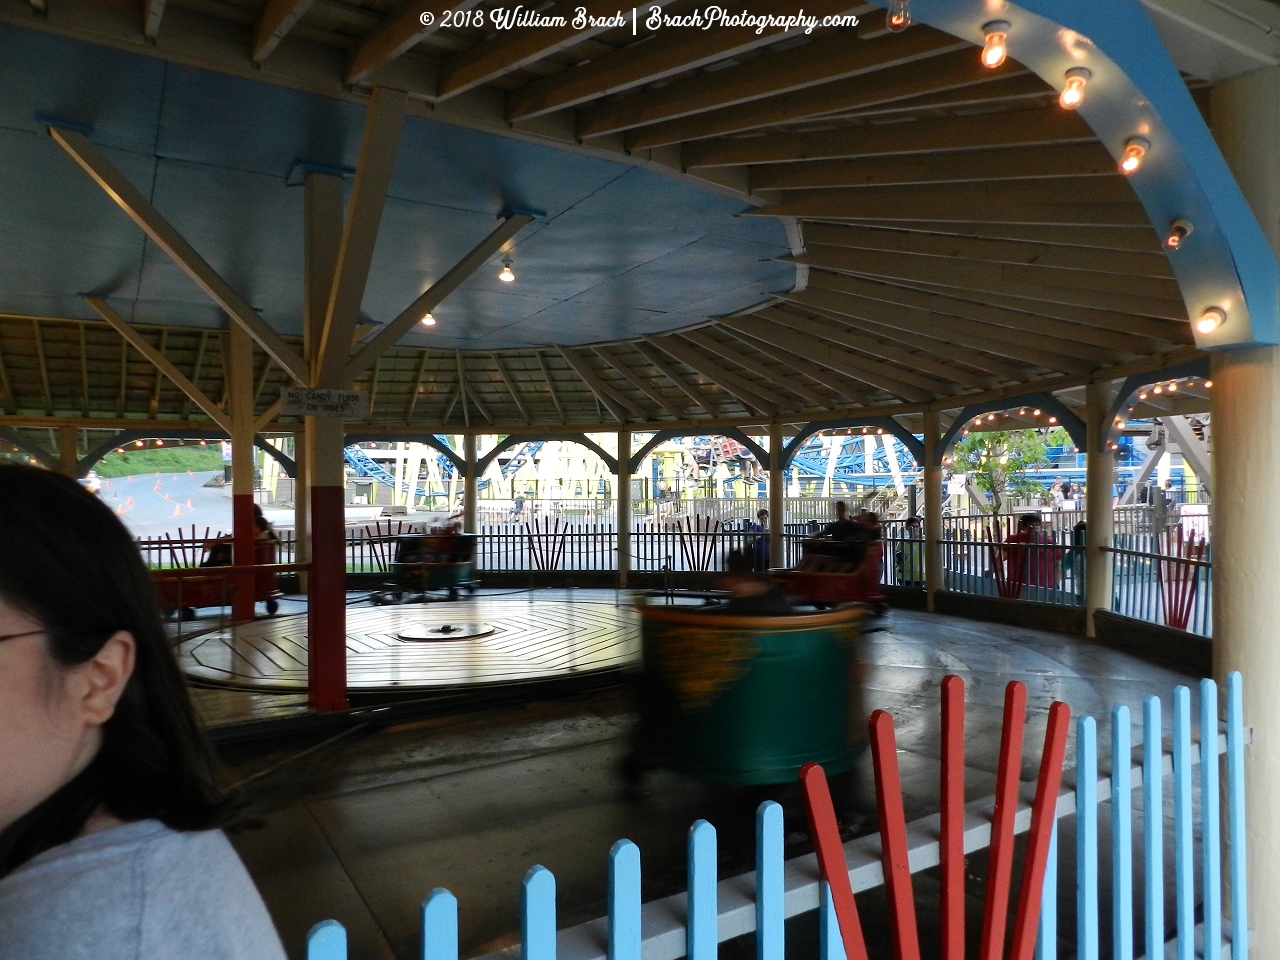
(366, 466)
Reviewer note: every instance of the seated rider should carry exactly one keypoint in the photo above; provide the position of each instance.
(751, 594)
(839, 548)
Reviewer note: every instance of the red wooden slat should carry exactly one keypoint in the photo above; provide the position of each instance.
(893, 838)
(1042, 818)
(1000, 866)
(951, 842)
(831, 861)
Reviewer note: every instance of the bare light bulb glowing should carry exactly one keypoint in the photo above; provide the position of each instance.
(898, 17)
(1073, 92)
(1211, 320)
(506, 276)
(994, 46)
(428, 321)
(1135, 148)
(1179, 230)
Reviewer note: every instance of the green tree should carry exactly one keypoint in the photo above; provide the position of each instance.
(997, 462)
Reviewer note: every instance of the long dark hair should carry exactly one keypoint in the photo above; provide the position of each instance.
(68, 562)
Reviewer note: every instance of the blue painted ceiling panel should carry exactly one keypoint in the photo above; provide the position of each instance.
(622, 250)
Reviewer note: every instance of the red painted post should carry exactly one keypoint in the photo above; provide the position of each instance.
(893, 838)
(1000, 865)
(951, 841)
(327, 602)
(1043, 813)
(243, 536)
(831, 861)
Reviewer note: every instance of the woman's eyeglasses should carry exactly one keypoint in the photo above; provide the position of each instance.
(19, 636)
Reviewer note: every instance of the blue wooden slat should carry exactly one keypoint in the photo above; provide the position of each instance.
(1183, 852)
(1152, 827)
(770, 923)
(327, 940)
(1235, 818)
(830, 943)
(440, 926)
(1086, 839)
(701, 937)
(538, 915)
(1121, 836)
(624, 901)
(1047, 935)
(1211, 853)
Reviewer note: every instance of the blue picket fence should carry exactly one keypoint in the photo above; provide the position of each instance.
(713, 911)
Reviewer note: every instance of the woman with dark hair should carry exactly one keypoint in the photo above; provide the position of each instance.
(110, 817)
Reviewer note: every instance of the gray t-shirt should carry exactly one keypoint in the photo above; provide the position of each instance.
(139, 891)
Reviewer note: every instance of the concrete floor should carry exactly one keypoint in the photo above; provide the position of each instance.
(362, 830)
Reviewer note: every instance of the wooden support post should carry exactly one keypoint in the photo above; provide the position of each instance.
(777, 502)
(1100, 469)
(68, 453)
(470, 484)
(301, 505)
(624, 505)
(931, 474)
(242, 525)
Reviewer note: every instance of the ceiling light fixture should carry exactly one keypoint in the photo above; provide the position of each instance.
(1135, 148)
(1073, 92)
(898, 17)
(506, 276)
(428, 321)
(1179, 230)
(1211, 320)
(994, 47)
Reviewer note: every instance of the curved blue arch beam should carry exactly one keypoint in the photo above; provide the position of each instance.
(1136, 91)
(41, 455)
(1130, 387)
(733, 433)
(1074, 426)
(85, 464)
(887, 424)
(580, 438)
(430, 440)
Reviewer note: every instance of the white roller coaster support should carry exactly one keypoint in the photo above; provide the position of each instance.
(895, 468)
(1194, 450)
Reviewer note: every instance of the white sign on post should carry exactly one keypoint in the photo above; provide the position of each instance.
(324, 402)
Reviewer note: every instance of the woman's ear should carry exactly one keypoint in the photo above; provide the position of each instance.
(104, 677)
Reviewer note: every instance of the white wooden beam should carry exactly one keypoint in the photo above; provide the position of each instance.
(389, 335)
(745, 392)
(382, 126)
(510, 384)
(140, 210)
(277, 19)
(139, 343)
(615, 402)
(152, 14)
(399, 34)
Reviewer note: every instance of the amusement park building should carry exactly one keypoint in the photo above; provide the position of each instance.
(758, 233)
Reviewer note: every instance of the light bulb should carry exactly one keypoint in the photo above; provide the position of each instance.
(1035, 413)
(1179, 230)
(1073, 92)
(506, 276)
(991, 416)
(994, 48)
(1211, 320)
(428, 321)
(1053, 419)
(137, 443)
(1173, 387)
(1157, 389)
(1208, 384)
(204, 443)
(159, 443)
(1135, 148)
(1142, 396)
(898, 17)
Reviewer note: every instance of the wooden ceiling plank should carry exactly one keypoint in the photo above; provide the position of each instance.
(669, 371)
(883, 350)
(733, 352)
(43, 367)
(998, 165)
(158, 378)
(902, 383)
(664, 405)
(1026, 348)
(896, 205)
(959, 68)
(399, 34)
(842, 384)
(977, 359)
(678, 51)
(511, 49)
(859, 237)
(613, 401)
(152, 15)
(1075, 340)
(1015, 129)
(511, 387)
(551, 387)
(1150, 299)
(277, 19)
(833, 57)
(84, 375)
(415, 388)
(748, 394)
(1024, 89)
(1104, 239)
(462, 385)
